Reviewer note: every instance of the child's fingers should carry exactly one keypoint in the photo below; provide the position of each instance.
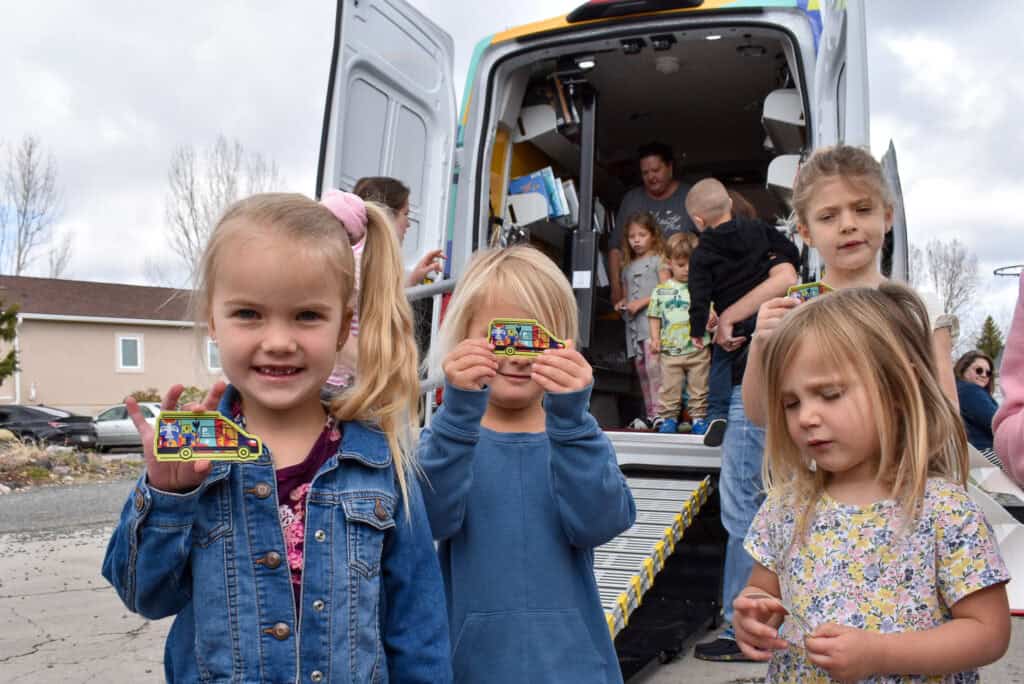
(554, 379)
(212, 400)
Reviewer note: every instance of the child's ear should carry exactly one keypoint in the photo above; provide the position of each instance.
(888, 219)
(805, 233)
(698, 222)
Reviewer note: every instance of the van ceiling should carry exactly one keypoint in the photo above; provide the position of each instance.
(709, 110)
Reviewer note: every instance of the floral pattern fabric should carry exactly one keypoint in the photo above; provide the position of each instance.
(865, 567)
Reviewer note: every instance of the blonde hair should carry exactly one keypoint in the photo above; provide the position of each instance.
(646, 220)
(680, 245)
(386, 390)
(853, 164)
(520, 274)
(709, 201)
(883, 337)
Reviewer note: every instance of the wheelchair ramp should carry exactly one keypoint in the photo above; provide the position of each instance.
(626, 566)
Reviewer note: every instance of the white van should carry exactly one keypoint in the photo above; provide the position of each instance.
(741, 90)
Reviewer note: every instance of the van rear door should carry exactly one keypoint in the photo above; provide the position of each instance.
(391, 111)
(895, 251)
(841, 75)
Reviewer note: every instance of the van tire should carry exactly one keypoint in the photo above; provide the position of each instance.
(185, 454)
(243, 452)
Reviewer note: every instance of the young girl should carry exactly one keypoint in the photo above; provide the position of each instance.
(844, 209)
(868, 546)
(640, 275)
(523, 484)
(314, 562)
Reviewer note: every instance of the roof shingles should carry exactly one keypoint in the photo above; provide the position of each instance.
(102, 300)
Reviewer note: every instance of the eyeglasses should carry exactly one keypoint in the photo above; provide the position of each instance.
(985, 372)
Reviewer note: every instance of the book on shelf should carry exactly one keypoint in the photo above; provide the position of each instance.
(572, 200)
(545, 183)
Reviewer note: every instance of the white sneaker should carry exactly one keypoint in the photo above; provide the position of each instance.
(639, 424)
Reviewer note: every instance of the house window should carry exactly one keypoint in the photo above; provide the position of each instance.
(129, 353)
(212, 356)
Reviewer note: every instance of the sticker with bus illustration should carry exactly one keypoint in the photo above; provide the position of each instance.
(521, 337)
(808, 291)
(185, 435)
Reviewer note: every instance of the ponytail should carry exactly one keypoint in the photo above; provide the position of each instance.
(386, 389)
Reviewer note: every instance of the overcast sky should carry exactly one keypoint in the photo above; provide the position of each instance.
(112, 88)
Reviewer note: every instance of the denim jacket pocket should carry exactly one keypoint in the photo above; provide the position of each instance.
(369, 516)
(213, 518)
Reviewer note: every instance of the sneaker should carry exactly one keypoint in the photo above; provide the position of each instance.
(656, 423)
(721, 649)
(715, 432)
(668, 425)
(638, 424)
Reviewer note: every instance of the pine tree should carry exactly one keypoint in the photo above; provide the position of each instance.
(990, 340)
(8, 331)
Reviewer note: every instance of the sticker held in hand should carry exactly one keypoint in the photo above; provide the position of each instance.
(188, 435)
(808, 291)
(521, 337)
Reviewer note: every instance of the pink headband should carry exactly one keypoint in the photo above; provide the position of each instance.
(350, 210)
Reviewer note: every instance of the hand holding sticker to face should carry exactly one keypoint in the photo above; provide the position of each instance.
(521, 337)
(808, 291)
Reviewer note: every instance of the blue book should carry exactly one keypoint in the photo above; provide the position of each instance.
(542, 182)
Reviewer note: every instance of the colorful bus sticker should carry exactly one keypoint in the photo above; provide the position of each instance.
(808, 291)
(187, 435)
(521, 337)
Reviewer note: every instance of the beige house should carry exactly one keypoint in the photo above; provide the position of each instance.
(84, 346)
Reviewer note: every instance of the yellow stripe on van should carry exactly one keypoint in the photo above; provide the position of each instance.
(557, 23)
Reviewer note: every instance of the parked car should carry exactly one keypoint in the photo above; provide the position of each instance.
(48, 425)
(114, 428)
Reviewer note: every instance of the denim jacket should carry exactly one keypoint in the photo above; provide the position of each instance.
(372, 601)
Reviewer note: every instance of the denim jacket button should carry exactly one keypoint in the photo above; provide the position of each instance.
(378, 510)
(319, 535)
(318, 605)
(316, 676)
(280, 631)
(262, 490)
(272, 560)
(140, 501)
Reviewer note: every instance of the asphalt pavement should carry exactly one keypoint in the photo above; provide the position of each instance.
(61, 622)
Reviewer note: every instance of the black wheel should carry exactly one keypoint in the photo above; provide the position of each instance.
(243, 452)
(185, 454)
(510, 351)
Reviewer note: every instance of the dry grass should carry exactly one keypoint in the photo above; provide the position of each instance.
(24, 464)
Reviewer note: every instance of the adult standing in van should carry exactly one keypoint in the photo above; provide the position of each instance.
(661, 195)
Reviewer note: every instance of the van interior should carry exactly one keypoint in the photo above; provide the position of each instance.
(729, 101)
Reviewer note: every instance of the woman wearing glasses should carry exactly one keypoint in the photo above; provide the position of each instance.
(974, 388)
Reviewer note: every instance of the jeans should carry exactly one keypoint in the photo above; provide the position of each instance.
(719, 383)
(741, 493)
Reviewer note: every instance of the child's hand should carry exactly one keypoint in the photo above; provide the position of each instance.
(698, 342)
(752, 621)
(655, 345)
(846, 653)
(562, 370)
(771, 313)
(471, 364)
(636, 305)
(712, 321)
(173, 476)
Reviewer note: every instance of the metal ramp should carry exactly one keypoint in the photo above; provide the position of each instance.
(626, 566)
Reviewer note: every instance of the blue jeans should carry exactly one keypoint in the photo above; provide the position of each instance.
(719, 383)
(741, 493)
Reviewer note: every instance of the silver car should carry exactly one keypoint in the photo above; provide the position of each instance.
(115, 429)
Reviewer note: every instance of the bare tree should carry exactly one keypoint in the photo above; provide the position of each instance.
(916, 273)
(60, 255)
(202, 184)
(33, 204)
(953, 271)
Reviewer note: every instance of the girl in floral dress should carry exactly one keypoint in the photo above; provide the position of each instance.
(872, 563)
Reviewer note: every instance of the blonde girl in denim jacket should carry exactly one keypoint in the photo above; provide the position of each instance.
(313, 563)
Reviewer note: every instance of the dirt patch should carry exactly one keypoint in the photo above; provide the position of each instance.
(25, 465)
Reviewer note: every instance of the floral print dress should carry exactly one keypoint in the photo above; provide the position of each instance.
(863, 567)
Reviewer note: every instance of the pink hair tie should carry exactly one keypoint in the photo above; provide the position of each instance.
(350, 210)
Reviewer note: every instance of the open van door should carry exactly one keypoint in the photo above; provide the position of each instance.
(391, 111)
(840, 93)
(895, 250)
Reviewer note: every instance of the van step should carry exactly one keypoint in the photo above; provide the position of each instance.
(625, 567)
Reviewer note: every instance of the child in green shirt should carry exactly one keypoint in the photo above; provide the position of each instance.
(683, 365)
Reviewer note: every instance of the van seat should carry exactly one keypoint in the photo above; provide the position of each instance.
(783, 120)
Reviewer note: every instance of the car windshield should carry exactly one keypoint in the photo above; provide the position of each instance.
(51, 411)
